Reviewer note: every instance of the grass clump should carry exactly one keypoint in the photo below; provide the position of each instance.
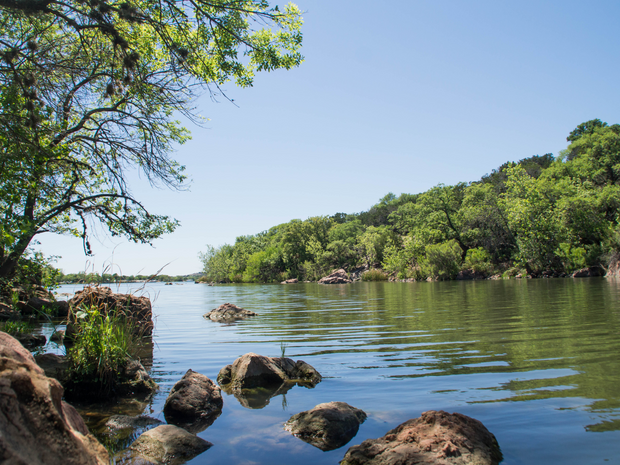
(103, 345)
(374, 275)
(15, 328)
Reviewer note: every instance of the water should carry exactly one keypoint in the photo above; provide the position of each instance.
(537, 361)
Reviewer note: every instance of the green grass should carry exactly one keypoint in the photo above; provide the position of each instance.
(374, 275)
(103, 344)
(16, 327)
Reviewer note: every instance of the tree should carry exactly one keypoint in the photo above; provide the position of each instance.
(90, 90)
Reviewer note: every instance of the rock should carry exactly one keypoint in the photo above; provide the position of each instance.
(436, 437)
(252, 370)
(336, 277)
(122, 430)
(290, 281)
(31, 340)
(132, 380)
(55, 366)
(167, 444)
(137, 309)
(7, 312)
(327, 426)
(58, 335)
(36, 426)
(258, 398)
(48, 305)
(468, 275)
(591, 272)
(194, 402)
(228, 312)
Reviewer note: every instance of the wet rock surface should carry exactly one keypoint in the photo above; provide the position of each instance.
(194, 402)
(137, 309)
(336, 277)
(436, 437)
(327, 426)
(252, 371)
(36, 426)
(165, 444)
(55, 366)
(228, 312)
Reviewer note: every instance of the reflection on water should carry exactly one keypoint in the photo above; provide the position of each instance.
(535, 360)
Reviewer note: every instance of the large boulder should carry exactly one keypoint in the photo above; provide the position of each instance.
(436, 437)
(165, 444)
(36, 426)
(252, 370)
(137, 309)
(194, 402)
(327, 426)
(55, 366)
(228, 312)
(336, 277)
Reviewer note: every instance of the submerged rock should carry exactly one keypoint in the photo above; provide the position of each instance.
(36, 426)
(252, 370)
(258, 398)
(194, 402)
(165, 444)
(436, 437)
(336, 277)
(228, 312)
(327, 426)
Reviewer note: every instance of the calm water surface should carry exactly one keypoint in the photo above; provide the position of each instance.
(537, 361)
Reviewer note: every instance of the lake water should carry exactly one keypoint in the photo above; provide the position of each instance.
(537, 361)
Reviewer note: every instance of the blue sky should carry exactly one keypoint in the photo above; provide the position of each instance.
(395, 96)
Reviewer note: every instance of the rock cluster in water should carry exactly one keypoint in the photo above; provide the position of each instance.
(228, 312)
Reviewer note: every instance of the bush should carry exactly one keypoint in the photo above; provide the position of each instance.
(442, 261)
(103, 344)
(374, 275)
(478, 260)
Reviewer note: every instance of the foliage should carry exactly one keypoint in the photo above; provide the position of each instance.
(16, 327)
(529, 217)
(103, 345)
(90, 92)
(374, 275)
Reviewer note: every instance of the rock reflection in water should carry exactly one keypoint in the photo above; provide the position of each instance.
(258, 398)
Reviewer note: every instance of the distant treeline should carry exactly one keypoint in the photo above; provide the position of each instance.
(96, 278)
(541, 215)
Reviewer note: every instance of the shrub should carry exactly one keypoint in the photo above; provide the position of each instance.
(442, 261)
(478, 260)
(374, 275)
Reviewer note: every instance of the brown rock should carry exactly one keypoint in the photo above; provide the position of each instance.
(167, 444)
(327, 426)
(436, 438)
(336, 277)
(228, 312)
(591, 272)
(194, 402)
(290, 281)
(36, 426)
(7, 312)
(55, 366)
(468, 275)
(252, 370)
(137, 309)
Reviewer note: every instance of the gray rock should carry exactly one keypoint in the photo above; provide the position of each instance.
(166, 444)
(252, 370)
(436, 437)
(327, 426)
(55, 366)
(228, 312)
(119, 422)
(194, 402)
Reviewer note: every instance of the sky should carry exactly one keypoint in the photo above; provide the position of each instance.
(394, 96)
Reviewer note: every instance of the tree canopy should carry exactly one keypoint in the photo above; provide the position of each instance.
(90, 90)
(540, 216)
